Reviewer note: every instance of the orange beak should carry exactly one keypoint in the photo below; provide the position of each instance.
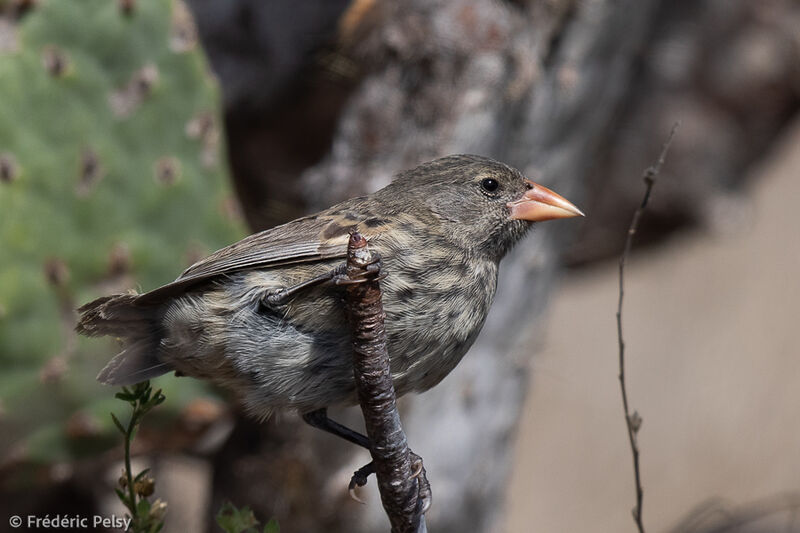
(540, 203)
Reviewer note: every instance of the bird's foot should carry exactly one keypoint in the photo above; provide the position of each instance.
(359, 479)
(424, 495)
(337, 276)
(373, 271)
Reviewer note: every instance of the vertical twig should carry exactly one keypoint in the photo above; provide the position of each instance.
(632, 420)
(134, 491)
(390, 453)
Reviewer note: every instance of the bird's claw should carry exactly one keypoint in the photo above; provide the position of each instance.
(359, 479)
(424, 495)
(354, 496)
(417, 465)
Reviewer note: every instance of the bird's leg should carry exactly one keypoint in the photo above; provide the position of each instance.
(372, 271)
(319, 419)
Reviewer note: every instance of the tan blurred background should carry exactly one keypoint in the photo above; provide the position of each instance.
(713, 366)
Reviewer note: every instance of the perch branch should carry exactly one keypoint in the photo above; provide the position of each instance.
(402, 488)
(632, 420)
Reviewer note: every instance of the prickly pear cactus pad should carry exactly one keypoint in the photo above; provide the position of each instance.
(111, 178)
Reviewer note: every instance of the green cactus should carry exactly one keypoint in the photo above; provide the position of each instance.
(111, 178)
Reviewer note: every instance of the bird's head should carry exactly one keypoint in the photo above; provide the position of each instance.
(481, 203)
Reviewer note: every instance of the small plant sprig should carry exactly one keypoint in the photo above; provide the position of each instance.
(134, 491)
(234, 520)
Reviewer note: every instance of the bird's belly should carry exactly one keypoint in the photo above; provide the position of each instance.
(300, 356)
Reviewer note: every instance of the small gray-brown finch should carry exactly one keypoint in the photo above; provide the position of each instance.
(264, 316)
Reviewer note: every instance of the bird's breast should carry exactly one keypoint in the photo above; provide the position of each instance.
(436, 304)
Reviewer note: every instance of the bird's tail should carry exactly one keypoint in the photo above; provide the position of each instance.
(137, 325)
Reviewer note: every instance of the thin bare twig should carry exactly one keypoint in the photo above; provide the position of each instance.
(632, 420)
(403, 491)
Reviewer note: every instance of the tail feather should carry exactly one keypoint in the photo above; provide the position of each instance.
(116, 315)
(120, 316)
(137, 362)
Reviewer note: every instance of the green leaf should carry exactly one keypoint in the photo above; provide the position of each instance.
(142, 391)
(124, 396)
(123, 497)
(272, 526)
(142, 507)
(141, 474)
(118, 424)
(233, 520)
(157, 399)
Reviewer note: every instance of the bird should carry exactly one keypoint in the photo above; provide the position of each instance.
(265, 318)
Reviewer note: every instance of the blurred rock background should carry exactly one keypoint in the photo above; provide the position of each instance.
(323, 100)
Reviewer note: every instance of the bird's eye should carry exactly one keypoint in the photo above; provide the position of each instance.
(490, 184)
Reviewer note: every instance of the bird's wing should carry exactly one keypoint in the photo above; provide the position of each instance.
(314, 238)
(295, 242)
